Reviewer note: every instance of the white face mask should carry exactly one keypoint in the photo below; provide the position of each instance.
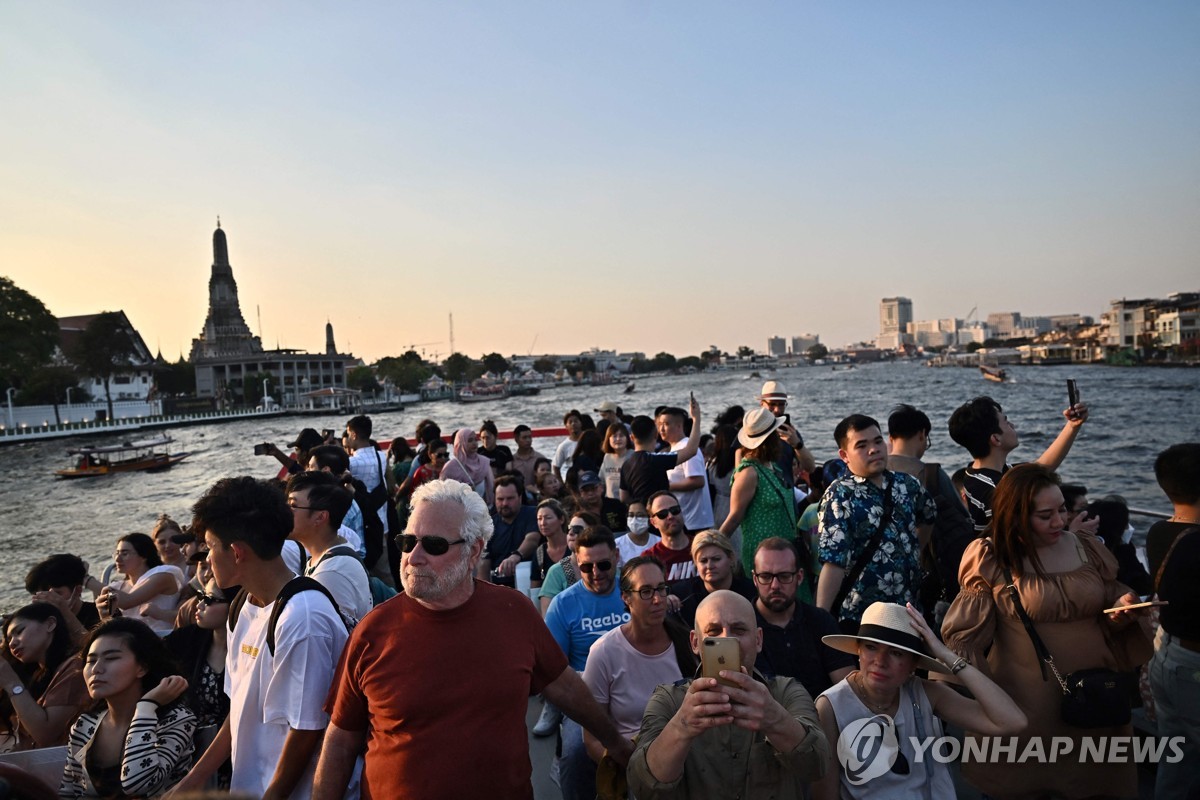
(638, 525)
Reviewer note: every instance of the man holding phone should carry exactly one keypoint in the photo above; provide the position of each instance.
(775, 398)
(746, 737)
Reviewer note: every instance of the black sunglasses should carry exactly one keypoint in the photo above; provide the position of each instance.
(673, 511)
(603, 566)
(433, 545)
(210, 600)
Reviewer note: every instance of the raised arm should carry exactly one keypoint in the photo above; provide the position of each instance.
(1053, 457)
(693, 446)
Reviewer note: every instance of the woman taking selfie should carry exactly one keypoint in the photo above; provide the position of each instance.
(1063, 581)
(137, 741)
(150, 591)
(43, 707)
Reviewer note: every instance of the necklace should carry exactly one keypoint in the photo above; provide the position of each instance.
(862, 694)
(1178, 518)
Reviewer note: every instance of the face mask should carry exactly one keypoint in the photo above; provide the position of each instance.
(638, 525)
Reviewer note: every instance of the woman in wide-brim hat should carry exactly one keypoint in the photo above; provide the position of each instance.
(759, 500)
(884, 698)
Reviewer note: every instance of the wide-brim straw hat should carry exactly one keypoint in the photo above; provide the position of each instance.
(887, 624)
(773, 390)
(757, 425)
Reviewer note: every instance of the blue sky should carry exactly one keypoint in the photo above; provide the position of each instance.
(653, 176)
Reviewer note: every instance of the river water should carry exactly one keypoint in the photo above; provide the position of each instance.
(1135, 413)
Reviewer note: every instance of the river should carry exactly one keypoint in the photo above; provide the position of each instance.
(1135, 413)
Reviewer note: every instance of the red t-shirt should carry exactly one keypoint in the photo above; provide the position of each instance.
(442, 695)
(677, 563)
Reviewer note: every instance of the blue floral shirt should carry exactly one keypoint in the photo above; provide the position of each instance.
(851, 511)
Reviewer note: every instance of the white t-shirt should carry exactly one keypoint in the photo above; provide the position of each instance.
(627, 548)
(346, 580)
(696, 504)
(163, 602)
(622, 678)
(368, 465)
(562, 457)
(269, 695)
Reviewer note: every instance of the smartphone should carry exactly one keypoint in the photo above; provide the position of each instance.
(263, 449)
(1072, 392)
(787, 419)
(718, 653)
(327, 434)
(1132, 606)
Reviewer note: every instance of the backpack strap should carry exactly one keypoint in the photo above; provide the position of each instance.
(290, 589)
(867, 554)
(235, 607)
(1163, 564)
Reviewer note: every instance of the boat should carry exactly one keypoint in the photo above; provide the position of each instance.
(481, 394)
(994, 374)
(146, 455)
(629, 387)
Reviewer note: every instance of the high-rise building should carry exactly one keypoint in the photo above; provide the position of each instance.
(776, 346)
(800, 344)
(894, 315)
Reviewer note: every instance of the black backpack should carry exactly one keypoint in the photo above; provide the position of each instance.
(952, 532)
(290, 589)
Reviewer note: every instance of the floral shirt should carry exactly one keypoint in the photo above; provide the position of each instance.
(851, 511)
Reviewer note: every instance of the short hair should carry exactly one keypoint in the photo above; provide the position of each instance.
(631, 566)
(246, 510)
(143, 545)
(1012, 507)
(609, 432)
(959, 478)
(360, 426)
(672, 411)
(780, 545)
(61, 569)
(507, 480)
(642, 428)
(1072, 492)
(854, 422)
(906, 422)
(973, 424)
(594, 536)
(712, 538)
(148, 648)
(661, 493)
(490, 427)
(331, 456)
(429, 434)
(537, 462)
(477, 522)
(1114, 518)
(1177, 470)
(517, 431)
(574, 412)
(325, 493)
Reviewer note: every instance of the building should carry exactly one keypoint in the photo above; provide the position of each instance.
(801, 344)
(227, 357)
(776, 346)
(132, 383)
(1128, 322)
(894, 315)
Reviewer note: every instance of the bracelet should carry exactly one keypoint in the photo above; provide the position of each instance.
(959, 665)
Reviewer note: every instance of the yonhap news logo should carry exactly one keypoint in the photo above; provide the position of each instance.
(870, 747)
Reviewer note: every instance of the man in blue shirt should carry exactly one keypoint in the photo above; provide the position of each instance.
(577, 617)
(515, 538)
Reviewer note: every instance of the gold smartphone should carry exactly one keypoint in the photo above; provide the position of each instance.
(718, 653)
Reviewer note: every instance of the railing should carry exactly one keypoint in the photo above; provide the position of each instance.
(24, 433)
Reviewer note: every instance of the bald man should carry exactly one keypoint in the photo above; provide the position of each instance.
(701, 740)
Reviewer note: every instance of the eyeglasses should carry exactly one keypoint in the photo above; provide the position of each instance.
(439, 456)
(602, 566)
(673, 511)
(306, 508)
(647, 592)
(433, 545)
(765, 578)
(211, 600)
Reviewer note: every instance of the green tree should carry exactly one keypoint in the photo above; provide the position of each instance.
(28, 331)
(695, 362)
(456, 367)
(662, 362)
(362, 379)
(48, 384)
(252, 387)
(495, 363)
(816, 352)
(178, 378)
(545, 365)
(406, 372)
(745, 352)
(104, 350)
(973, 346)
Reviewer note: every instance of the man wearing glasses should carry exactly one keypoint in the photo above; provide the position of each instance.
(792, 630)
(577, 617)
(435, 683)
(674, 550)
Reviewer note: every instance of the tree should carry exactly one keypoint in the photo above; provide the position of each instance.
(973, 346)
(456, 366)
(816, 352)
(745, 352)
(48, 384)
(695, 362)
(178, 378)
(495, 364)
(662, 362)
(363, 379)
(28, 331)
(406, 373)
(545, 365)
(103, 350)
(252, 387)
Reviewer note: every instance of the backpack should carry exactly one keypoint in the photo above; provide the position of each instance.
(380, 591)
(368, 503)
(953, 530)
(290, 589)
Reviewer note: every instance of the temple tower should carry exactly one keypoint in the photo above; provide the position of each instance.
(225, 331)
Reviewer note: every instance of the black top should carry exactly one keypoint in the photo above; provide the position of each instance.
(1179, 586)
(796, 650)
(507, 537)
(500, 456)
(692, 591)
(979, 485)
(645, 473)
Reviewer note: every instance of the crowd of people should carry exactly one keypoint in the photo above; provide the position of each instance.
(352, 627)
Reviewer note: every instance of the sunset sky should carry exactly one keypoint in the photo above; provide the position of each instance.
(633, 176)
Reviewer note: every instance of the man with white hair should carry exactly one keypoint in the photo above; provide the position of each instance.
(774, 397)
(440, 676)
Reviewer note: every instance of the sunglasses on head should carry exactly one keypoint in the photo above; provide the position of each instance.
(602, 566)
(432, 545)
(673, 511)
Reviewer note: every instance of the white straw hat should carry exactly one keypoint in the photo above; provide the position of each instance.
(757, 425)
(887, 624)
(773, 390)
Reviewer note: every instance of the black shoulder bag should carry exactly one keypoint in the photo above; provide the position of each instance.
(1092, 698)
(864, 558)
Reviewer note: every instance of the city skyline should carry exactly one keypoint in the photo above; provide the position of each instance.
(384, 166)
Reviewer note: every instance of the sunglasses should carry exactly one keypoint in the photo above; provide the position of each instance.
(673, 511)
(576, 529)
(432, 545)
(646, 592)
(602, 566)
(211, 600)
(439, 456)
(765, 578)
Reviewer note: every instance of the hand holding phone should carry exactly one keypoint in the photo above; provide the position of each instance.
(720, 653)
(263, 449)
(1135, 606)
(1072, 397)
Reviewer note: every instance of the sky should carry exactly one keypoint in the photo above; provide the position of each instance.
(653, 176)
